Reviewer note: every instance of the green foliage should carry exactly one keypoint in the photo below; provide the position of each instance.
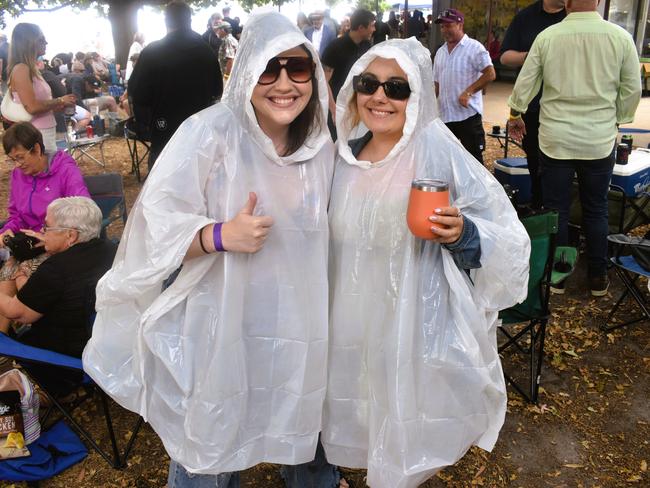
(476, 15)
(371, 5)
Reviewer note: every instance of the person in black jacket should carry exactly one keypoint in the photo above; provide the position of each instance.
(210, 35)
(174, 78)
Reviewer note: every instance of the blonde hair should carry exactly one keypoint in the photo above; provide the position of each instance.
(24, 48)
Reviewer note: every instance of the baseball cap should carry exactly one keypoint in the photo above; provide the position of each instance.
(225, 26)
(450, 15)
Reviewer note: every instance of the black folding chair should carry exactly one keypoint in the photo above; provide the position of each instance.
(107, 191)
(136, 132)
(523, 328)
(629, 271)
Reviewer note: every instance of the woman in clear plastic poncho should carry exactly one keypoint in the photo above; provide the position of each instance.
(226, 364)
(414, 376)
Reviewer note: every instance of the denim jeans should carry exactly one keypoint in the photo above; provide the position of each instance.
(314, 474)
(593, 185)
(180, 478)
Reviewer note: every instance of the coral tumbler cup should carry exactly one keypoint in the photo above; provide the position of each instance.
(426, 196)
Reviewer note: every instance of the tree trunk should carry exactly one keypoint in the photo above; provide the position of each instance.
(123, 15)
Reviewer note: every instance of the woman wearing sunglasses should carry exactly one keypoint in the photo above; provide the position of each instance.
(414, 377)
(227, 363)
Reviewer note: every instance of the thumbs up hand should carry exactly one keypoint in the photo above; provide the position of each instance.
(246, 232)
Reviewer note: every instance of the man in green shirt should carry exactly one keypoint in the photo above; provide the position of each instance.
(591, 84)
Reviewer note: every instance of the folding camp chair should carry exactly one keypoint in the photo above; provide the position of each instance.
(137, 133)
(523, 328)
(107, 191)
(27, 355)
(629, 271)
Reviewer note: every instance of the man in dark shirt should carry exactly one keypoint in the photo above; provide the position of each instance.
(174, 78)
(210, 35)
(343, 52)
(521, 33)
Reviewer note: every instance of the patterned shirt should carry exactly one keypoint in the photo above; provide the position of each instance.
(228, 49)
(454, 72)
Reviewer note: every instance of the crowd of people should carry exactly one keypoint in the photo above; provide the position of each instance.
(268, 302)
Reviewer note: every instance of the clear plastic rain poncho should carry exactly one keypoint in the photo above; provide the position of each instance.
(227, 364)
(414, 374)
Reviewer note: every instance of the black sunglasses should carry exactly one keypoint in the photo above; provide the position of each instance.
(299, 70)
(394, 89)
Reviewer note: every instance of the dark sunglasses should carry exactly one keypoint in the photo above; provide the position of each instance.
(394, 89)
(299, 70)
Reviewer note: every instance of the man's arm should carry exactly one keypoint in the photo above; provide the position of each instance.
(488, 75)
(529, 80)
(511, 52)
(513, 58)
(629, 90)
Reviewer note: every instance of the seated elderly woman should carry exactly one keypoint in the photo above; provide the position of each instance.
(37, 179)
(58, 300)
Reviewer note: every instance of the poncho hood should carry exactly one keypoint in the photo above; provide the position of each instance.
(265, 36)
(421, 109)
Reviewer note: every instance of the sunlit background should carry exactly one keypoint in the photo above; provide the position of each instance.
(72, 30)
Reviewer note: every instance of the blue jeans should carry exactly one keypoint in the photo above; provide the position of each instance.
(593, 185)
(314, 474)
(180, 478)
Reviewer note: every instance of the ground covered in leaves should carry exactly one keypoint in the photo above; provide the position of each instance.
(591, 427)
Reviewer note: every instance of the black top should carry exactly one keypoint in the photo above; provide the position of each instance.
(174, 78)
(523, 30)
(4, 55)
(63, 290)
(213, 41)
(340, 55)
(75, 85)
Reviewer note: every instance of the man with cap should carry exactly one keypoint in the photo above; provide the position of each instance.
(461, 69)
(227, 49)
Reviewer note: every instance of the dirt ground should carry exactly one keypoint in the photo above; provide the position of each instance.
(591, 427)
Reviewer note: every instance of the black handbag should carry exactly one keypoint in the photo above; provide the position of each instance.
(23, 247)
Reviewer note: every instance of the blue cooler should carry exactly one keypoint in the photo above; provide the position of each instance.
(514, 172)
(633, 177)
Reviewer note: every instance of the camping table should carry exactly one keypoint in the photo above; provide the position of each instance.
(85, 144)
(504, 139)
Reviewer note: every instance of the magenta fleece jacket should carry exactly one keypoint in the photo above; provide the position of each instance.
(30, 195)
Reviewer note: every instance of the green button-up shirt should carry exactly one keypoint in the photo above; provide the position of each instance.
(590, 70)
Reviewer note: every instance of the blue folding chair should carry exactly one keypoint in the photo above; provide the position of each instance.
(28, 355)
(629, 271)
(107, 191)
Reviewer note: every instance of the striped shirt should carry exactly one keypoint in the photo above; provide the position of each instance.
(454, 72)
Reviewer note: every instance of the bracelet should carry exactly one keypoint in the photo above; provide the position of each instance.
(201, 241)
(469, 94)
(216, 236)
(514, 117)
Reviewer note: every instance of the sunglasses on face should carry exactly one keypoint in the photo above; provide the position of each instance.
(299, 70)
(394, 89)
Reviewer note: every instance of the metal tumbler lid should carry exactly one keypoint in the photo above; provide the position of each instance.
(430, 185)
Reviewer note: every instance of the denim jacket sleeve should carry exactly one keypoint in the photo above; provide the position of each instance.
(466, 251)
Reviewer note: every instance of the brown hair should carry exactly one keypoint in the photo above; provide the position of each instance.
(24, 48)
(22, 134)
(308, 121)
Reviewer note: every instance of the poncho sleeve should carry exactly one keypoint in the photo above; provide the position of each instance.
(162, 224)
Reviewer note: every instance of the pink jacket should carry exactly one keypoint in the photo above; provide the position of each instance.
(30, 195)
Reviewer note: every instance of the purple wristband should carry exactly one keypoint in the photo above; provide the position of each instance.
(216, 237)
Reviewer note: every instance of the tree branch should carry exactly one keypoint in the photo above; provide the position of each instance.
(51, 9)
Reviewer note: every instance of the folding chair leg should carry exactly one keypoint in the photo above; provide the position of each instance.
(129, 446)
(630, 289)
(111, 433)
